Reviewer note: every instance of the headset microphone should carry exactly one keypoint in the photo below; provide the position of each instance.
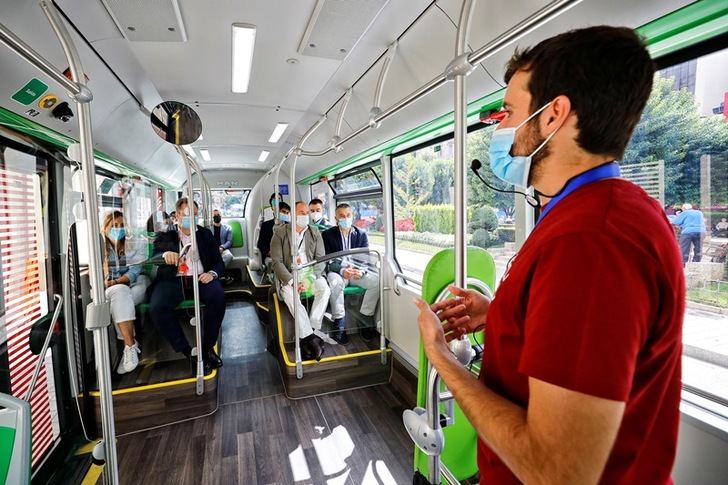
(476, 165)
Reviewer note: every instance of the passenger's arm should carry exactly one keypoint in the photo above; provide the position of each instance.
(276, 254)
(132, 273)
(211, 247)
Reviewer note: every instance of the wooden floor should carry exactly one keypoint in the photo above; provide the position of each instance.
(257, 436)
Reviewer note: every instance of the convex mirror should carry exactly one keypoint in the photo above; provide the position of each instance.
(176, 123)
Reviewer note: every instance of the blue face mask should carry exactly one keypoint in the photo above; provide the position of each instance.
(117, 233)
(345, 223)
(185, 222)
(513, 169)
(274, 203)
(284, 217)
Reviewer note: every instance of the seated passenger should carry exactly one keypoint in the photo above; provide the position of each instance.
(174, 283)
(343, 272)
(223, 236)
(157, 222)
(310, 247)
(266, 229)
(125, 287)
(318, 220)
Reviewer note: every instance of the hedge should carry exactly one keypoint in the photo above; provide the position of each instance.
(441, 218)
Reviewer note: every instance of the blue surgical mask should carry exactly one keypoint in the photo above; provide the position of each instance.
(513, 169)
(345, 223)
(117, 233)
(185, 222)
(284, 217)
(274, 203)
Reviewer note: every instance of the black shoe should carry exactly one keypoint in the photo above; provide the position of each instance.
(226, 280)
(367, 334)
(213, 359)
(208, 368)
(312, 347)
(340, 337)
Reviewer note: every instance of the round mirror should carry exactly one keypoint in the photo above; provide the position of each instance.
(176, 123)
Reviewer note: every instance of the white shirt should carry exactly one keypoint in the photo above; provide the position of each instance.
(187, 259)
(302, 258)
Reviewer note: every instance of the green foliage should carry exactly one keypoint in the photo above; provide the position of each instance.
(484, 239)
(671, 129)
(484, 218)
(507, 233)
(434, 218)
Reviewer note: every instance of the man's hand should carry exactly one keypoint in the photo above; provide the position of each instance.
(357, 274)
(109, 283)
(205, 278)
(221, 249)
(301, 287)
(171, 258)
(349, 273)
(463, 314)
(431, 330)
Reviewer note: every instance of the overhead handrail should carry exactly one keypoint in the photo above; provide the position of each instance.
(334, 141)
(97, 313)
(195, 257)
(547, 13)
(44, 349)
(376, 109)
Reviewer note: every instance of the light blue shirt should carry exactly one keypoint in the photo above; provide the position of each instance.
(120, 266)
(690, 222)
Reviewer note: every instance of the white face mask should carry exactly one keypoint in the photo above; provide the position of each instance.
(302, 220)
(315, 216)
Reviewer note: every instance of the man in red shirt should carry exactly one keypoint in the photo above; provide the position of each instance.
(581, 376)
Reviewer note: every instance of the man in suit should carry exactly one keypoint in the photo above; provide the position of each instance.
(174, 283)
(310, 247)
(223, 236)
(316, 214)
(342, 272)
(266, 229)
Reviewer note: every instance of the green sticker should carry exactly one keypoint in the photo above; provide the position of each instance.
(30, 92)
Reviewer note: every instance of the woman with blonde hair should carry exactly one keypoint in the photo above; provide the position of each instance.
(125, 286)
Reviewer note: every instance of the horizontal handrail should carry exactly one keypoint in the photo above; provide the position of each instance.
(406, 279)
(341, 254)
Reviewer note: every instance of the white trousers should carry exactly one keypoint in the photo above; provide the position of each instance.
(307, 323)
(227, 257)
(369, 282)
(123, 299)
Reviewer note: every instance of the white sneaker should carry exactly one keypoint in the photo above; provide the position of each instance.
(130, 360)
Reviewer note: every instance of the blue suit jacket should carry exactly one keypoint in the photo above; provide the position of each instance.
(332, 243)
(226, 236)
(206, 246)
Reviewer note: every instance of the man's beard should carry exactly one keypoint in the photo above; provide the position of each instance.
(532, 139)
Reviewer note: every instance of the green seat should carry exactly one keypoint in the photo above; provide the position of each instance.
(354, 290)
(237, 233)
(15, 441)
(186, 304)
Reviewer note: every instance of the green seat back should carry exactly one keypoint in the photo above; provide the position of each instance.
(354, 290)
(7, 445)
(459, 455)
(237, 233)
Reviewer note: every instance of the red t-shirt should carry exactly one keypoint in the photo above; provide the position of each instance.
(594, 303)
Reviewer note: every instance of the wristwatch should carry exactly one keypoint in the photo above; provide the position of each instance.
(214, 275)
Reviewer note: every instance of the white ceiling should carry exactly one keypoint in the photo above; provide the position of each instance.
(236, 127)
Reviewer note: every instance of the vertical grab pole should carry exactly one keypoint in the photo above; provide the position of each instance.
(294, 239)
(98, 315)
(195, 257)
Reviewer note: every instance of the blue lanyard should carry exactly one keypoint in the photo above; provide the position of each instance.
(602, 172)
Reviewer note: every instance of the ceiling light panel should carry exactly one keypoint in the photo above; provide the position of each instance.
(243, 47)
(205, 155)
(263, 156)
(278, 132)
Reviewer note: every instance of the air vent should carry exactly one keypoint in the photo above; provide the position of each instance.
(337, 25)
(148, 20)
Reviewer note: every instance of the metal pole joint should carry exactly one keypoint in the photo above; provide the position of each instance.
(84, 94)
(460, 66)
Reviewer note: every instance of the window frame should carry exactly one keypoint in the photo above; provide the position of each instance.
(366, 167)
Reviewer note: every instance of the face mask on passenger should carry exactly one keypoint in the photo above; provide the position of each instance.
(216, 219)
(274, 203)
(302, 220)
(117, 233)
(513, 169)
(315, 216)
(345, 222)
(284, 217)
